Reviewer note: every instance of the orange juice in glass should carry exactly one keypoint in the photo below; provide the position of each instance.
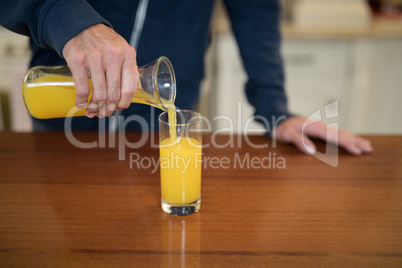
(180, 162)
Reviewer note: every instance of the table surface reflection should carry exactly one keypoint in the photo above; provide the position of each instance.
(62, 205)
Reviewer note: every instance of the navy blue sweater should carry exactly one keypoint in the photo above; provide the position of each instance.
(178, 29)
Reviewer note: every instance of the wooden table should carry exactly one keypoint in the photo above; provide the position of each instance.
(63, 206)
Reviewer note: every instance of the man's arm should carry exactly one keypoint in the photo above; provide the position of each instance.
(50, 23)
(91, 48)
(256, 25)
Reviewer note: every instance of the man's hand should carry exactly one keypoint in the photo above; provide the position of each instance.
(104, 56)
(291, 131)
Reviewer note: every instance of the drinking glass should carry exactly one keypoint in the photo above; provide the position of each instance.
(180, 161)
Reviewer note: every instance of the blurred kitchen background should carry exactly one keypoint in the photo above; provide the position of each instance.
(348, 51)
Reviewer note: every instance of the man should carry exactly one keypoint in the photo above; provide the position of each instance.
(91, 38)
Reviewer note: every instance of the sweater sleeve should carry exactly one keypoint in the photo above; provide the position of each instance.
(255, 24)
(50, 23)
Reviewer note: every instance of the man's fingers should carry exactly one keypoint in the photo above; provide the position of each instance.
(354, 144)
(320, 131)
(129, 83)
(80, 76)
(99, 93)
(113, 77)
(353, 148)
(302, 142)
(365, 145)
(297, 130)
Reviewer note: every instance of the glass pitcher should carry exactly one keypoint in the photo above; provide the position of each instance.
(49, 92)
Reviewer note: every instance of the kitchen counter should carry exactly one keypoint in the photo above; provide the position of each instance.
(63, 206)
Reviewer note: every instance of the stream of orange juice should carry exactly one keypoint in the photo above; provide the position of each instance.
(180, 167)
(172, 120)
